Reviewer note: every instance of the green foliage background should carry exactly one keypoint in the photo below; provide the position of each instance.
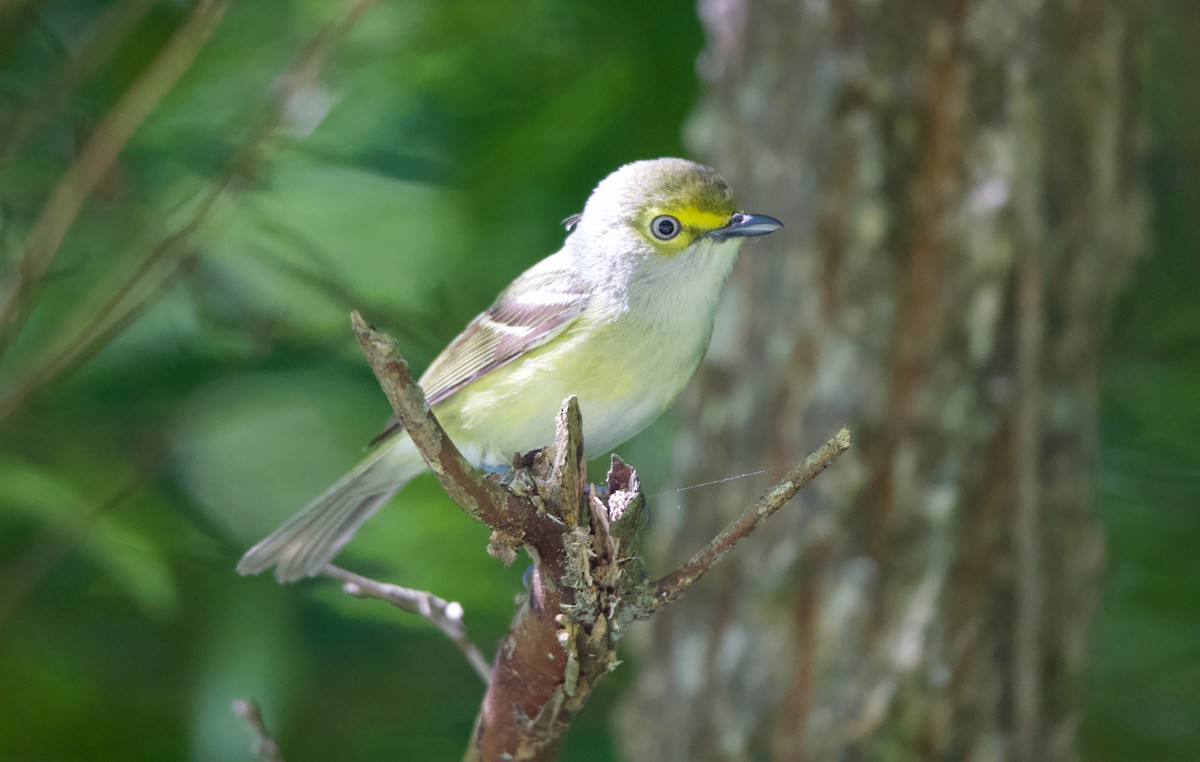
(171, 400)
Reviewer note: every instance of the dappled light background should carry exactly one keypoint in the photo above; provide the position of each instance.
(177, 376)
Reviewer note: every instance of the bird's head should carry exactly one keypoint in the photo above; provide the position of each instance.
(664, 220)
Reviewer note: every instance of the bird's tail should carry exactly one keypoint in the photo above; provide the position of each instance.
(310, 539)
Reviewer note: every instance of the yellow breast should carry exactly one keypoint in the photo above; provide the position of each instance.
(625, 375)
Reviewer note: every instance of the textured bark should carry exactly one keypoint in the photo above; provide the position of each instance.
(960, 183)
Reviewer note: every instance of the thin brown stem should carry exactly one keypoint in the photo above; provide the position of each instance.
(447, 616)
(673, 585)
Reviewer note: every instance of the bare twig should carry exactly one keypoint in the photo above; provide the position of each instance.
(677, 582)
(265, 747)
(481, 498)
(447, 616)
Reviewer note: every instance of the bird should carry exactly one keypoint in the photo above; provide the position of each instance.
(620, 317)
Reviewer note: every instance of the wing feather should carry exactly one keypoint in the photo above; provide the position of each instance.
(535, 308)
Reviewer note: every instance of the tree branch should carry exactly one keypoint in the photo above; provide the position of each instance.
(480, 497)
(675, 584)
(588, 579)
(447, 616)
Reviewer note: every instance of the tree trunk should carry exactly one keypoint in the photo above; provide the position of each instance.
(961, 187)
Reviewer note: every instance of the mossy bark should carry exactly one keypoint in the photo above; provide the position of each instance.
(961, 186)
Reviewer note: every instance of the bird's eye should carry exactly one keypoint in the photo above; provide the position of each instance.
(665, 227)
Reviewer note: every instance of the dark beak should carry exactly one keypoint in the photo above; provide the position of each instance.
(743, 225)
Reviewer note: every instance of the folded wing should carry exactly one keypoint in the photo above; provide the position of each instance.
(534, 309)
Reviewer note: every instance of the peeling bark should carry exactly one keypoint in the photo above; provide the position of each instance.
(961, 186)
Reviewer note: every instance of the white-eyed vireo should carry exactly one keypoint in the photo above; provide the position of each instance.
(620, 317)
